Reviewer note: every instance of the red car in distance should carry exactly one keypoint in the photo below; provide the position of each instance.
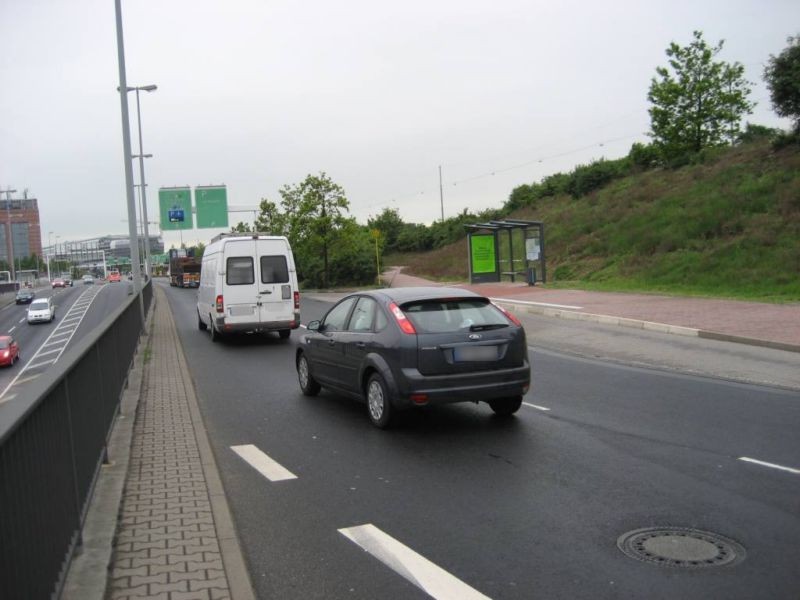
(114, 277)
(59, 283)
(9, 350)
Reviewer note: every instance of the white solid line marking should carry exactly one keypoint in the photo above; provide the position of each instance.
(537, 407)
(48, 352)
(41, 364)
(417, 569)
(12, 329)
(263, 463)
(528, 303)
(772, 465)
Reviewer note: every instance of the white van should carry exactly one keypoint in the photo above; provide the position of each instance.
(248, 283)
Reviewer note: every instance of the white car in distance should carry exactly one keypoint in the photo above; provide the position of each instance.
(41, 310)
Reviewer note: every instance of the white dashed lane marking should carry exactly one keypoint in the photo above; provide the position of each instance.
(430, 578)
(770, 465)
(263, 463)
(536, 406)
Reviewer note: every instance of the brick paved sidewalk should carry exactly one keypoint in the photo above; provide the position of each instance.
(175, 539)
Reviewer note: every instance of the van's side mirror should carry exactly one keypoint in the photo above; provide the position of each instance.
(313, 326)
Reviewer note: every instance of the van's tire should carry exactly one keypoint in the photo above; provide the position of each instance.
(200, 325)
(308, 385)
(505, 407)
(285, 333)
(379, 406)
(215, 335)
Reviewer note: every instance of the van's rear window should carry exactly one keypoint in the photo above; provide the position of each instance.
(239, 270)
(274, 269)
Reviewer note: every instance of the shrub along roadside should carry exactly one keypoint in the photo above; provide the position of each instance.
(727, 227)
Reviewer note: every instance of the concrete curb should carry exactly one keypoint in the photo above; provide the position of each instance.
(239, 583)
(645, 325)
(88, 573)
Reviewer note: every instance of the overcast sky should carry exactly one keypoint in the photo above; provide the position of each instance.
(257, 94)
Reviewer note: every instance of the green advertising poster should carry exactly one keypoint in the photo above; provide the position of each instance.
(482, 253)
(175, 208)
(212, 206)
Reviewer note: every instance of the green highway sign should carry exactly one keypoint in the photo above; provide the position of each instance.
(175, 208)
(212, 206)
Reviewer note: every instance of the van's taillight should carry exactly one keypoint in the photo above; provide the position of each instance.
(508, 315)
(220, 304)
(399, 316)
(297, 300)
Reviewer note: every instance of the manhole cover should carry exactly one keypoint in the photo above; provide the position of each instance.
(680, 547)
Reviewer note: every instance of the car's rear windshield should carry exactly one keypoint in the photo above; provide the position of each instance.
(39, 303)
(453, 314)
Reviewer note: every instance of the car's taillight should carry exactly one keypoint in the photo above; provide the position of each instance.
(297, 300)
(220, 304)
(508, 315)
(399, 316)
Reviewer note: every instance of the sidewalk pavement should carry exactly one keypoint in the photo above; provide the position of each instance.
(168, 532)
(755, 323)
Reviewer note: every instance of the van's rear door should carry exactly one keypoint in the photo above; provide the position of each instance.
(240, 282)
(275, 282)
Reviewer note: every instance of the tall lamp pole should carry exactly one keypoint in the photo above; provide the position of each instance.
(10, 237)
(126, 149)
(142, 186)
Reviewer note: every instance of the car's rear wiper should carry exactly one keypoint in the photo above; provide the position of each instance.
(487, 327)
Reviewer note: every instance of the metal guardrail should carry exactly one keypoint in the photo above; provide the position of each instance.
(52, 445)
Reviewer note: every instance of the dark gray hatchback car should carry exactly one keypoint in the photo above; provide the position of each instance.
(403, 347)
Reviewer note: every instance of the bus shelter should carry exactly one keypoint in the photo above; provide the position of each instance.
(509, 249)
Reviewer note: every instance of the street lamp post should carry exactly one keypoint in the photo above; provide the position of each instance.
(49, 251)
(126, 149)
(141, 157)
(10, 238)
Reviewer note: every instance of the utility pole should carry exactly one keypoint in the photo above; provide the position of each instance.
(9, 236)
(441, 192)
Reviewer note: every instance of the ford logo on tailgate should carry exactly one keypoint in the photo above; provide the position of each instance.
(475, 336)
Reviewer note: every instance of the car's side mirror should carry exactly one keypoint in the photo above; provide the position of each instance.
(314, 326)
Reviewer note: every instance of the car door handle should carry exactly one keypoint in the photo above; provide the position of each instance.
(331, 342)
(360, 345)
(266, 291)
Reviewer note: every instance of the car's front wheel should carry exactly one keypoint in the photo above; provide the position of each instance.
(505, 407)
(379, 406)
(308, 385)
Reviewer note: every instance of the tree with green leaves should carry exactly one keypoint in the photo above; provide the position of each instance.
(390, 225)
(697, 102)
(270, 219)
(241, 227)
(782, 75)
(314, 213)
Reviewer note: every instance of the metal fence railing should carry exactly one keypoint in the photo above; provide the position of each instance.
(52, 444)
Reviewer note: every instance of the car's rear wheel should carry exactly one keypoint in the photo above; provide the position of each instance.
(200, 325)
(308, 385)
(379, 406)
(505, 407)
(285, 333)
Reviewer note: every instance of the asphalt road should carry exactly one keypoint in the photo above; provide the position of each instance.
(530, 507)
(79, 310)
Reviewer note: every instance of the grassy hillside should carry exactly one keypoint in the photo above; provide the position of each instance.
(729, 227)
